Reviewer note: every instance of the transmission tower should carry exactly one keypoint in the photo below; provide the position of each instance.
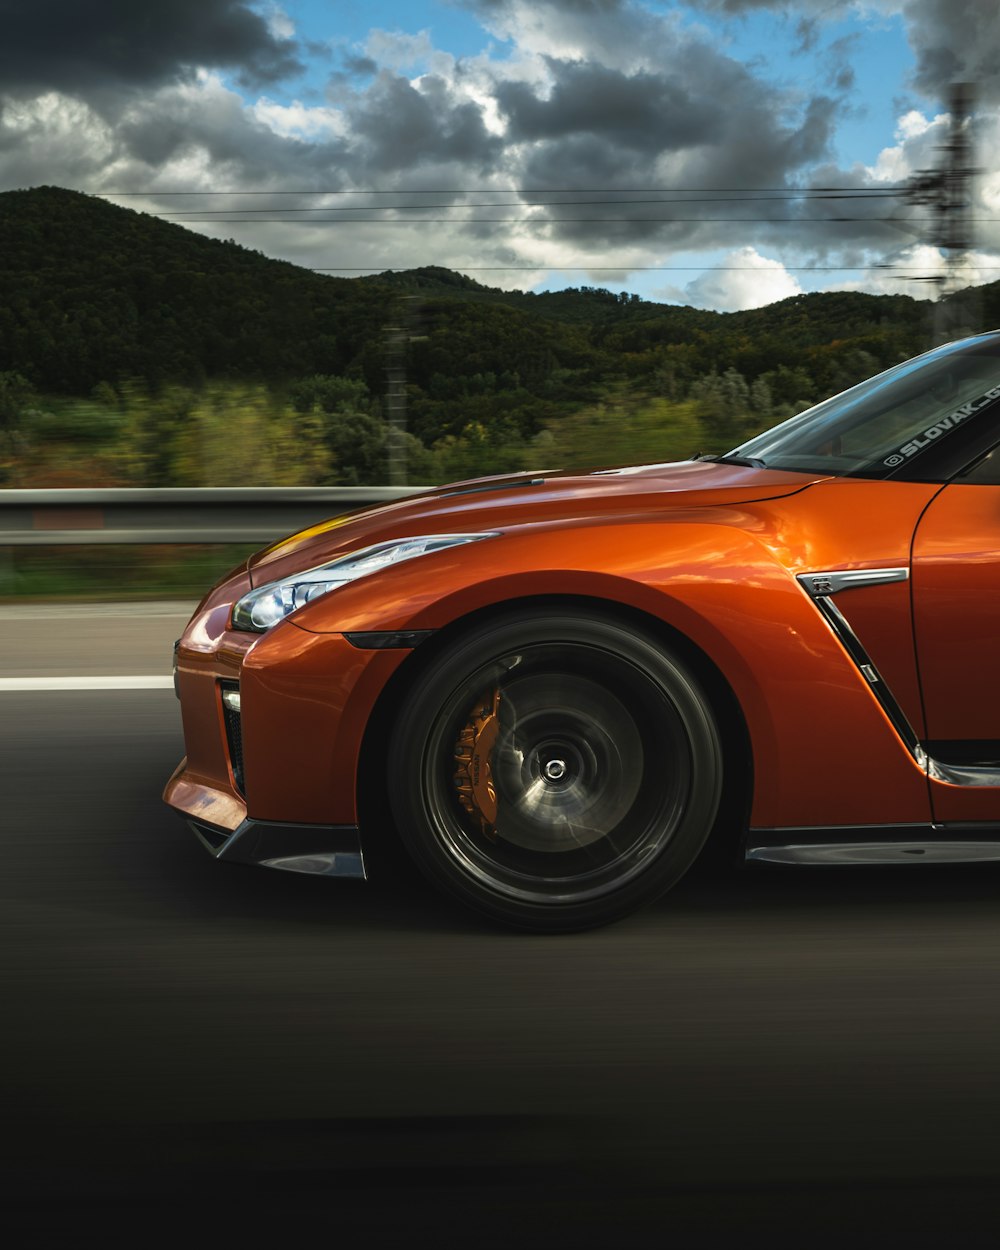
(947, 192)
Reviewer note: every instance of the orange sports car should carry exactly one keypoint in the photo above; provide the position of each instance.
(555, 688)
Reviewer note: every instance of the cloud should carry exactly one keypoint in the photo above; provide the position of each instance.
(745, 280)
(611, 94)
(561, 27)
(86, 48)
(798, 9)
(922, 269)
(594, 92)
(194, 136)
(398, 51)
(54, 132)
(919, 140)
(626, 35)
(297, 120)
(955, 41)
(644, 112)
(279, 23)
(397, 126)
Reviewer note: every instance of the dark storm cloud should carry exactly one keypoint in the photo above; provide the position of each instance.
(643, 111)
(840, 71)
(793, 8)
(955, 41)
(691, 117)
(362, 66)
(755, 151)
(396, 127)
(81, 46)
(217, 129)
(703, 111)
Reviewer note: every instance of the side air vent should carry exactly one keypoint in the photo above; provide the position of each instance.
(234, 730)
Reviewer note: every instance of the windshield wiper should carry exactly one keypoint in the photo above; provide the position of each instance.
(748, 462)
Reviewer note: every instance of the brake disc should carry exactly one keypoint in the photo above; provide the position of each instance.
(474, 761)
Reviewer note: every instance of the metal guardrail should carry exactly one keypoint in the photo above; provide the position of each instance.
(236, 514)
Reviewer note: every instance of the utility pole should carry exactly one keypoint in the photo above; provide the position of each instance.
(395, 372)
(947, 191)
(397, 338)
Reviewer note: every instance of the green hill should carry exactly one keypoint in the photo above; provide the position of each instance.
(93, 292)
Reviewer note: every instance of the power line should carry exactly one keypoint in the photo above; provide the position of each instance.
(531, 221)
(753, 191)
(583, 266)
(609, 197)
(248, 213)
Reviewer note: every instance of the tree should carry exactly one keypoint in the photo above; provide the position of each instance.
(16, 393)
(723, 407)
(792, 388)
(329, 393)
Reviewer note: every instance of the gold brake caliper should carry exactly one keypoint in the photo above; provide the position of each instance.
(474, 761)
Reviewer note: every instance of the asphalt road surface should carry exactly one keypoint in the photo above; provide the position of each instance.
(801, 1057)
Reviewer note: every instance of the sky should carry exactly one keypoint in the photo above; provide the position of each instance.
(717, 153)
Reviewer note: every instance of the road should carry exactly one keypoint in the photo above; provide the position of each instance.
(810, 1055)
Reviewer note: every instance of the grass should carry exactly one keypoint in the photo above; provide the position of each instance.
(115, 573)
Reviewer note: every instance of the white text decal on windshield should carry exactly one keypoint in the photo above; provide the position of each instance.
(940, 427)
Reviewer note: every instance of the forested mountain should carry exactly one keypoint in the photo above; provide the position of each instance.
(94, 293)
(124, 337)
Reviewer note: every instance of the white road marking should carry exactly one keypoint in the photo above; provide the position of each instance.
(86, 683)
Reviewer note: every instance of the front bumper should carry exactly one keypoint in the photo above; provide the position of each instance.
(273, 730)
(219, 819)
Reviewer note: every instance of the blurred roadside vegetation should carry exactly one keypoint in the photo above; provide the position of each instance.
(329, 430)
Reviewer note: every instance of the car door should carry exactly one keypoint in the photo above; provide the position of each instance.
(956, 614)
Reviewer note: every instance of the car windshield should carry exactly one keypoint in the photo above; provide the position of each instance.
(879, 426)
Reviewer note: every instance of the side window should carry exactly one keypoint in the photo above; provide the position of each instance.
(985, 472)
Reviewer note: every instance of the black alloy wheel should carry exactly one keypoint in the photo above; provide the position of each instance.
(555, 772)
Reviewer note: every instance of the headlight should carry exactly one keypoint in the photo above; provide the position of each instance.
(266, 606)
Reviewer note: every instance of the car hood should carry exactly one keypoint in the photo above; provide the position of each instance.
(525, 498)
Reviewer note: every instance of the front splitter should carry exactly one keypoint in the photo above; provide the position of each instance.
(320, 850)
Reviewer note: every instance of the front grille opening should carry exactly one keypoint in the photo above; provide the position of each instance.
(234, 730)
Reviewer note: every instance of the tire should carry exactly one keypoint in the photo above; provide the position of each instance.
(603, 755)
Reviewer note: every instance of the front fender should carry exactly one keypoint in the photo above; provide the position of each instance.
(824, 752)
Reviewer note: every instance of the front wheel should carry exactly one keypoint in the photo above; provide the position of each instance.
(555, 771)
